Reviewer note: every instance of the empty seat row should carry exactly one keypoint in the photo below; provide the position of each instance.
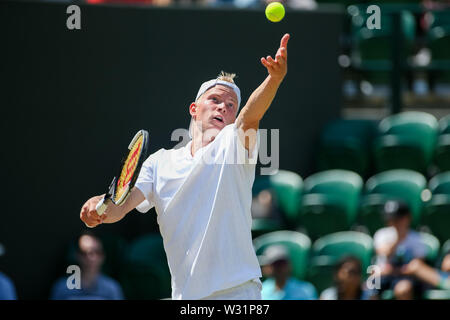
(409, 140)
(372, 47)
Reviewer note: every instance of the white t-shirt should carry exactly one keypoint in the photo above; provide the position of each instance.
(203, 207)
(411, 247)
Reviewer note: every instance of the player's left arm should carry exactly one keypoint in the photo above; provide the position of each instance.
(251, 114)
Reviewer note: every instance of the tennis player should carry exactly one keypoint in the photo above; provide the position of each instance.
(202, 192)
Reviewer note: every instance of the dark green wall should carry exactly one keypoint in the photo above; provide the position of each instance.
(71, 100)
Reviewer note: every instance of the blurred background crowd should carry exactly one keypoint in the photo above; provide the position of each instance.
(373, 220)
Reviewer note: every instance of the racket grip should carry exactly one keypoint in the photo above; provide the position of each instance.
(101, 206)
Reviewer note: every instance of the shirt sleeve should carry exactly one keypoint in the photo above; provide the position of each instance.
(145, 182)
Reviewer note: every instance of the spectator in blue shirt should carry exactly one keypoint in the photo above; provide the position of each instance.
(396, 245)
(7, 288)
(94, 285)
(280, 284)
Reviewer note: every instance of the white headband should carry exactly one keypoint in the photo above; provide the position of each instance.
(211, 83)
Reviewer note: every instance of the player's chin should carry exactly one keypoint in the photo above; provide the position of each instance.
(218, 124)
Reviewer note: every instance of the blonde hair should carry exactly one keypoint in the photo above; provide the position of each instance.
(225, 76)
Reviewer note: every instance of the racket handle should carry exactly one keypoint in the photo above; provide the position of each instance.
(101, 206)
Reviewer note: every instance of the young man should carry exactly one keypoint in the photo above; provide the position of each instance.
(396, 245)
(94, 285)
(202, 192)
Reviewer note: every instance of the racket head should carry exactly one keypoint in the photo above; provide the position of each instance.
(130, 167)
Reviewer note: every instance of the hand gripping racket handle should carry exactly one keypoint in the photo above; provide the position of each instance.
(101, 206)
(106, 200)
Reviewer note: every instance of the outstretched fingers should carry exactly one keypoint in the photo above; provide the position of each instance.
(284, 40)
(267, 62)
(277, 67)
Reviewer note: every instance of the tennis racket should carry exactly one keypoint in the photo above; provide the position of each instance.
(120, 188)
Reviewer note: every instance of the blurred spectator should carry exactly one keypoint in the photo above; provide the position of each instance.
(7, 289)
(94, 285)
(396, 246)
(265, 206)
(349, 284)
(280, 285)
(438, 278)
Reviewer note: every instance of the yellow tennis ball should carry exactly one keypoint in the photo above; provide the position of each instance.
(275, 11)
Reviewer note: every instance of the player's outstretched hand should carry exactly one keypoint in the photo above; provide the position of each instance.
(88, 213)
(278, 68)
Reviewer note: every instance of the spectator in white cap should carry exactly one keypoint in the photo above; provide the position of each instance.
(203, 207)
(280, 284)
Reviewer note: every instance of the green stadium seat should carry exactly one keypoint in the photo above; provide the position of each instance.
(297, 244)
(287, 186)
(438, 42)
(387, 295)
(438, 18)
(328, 250)
(437, 295)
(445, 247)
(442, 155)
(437, 210)
(444, 125)
(345, 144)
(372, 48)
(146, 274)
(406, 140)
(433, 245)
(427, 295)
(330, 202)
(400, 184)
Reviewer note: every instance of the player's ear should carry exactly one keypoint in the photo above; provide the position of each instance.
(193, 109)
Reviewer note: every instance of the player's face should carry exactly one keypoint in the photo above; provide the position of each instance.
(216, 108)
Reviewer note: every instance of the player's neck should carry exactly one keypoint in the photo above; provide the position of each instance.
(199, 141)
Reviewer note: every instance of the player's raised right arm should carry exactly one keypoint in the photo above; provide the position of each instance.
(113, 213)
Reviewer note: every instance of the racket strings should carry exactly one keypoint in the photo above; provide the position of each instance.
(128, 169)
